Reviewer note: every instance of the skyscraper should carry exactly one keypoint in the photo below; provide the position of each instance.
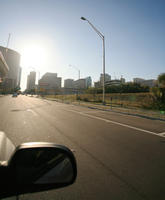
(50, 83)
(88, 81)
(68, 83)
(31, 79)
(19, 76)
(107, 78)
(12, 58)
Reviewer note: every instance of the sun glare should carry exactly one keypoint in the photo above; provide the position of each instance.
(33, 55)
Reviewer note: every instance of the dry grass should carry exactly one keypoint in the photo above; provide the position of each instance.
(132, 103)
(139, 100)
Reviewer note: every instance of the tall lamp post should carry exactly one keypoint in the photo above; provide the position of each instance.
(77, 70)
(103, 40)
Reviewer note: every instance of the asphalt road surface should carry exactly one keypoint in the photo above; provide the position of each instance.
(119, 157)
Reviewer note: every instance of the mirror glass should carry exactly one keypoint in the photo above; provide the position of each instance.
(43, 166)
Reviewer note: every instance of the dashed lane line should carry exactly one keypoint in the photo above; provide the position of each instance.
(32, 111)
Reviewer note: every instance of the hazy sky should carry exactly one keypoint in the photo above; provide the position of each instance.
(50, 35)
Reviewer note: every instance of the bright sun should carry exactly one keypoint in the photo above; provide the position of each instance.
(33, 56)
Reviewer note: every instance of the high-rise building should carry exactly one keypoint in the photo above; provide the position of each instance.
(19, 76)
(68, 83)
(149, 82)
(31, 79)
(83, 83)
(88, 81)
(4, 69)
(80, 83)
(138, 80)
(97, 84)
(122, 80)
(107, 78)
(50, 83)
(12, 58)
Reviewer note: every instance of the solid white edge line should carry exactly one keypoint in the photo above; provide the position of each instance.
(162, 134)
(118, 123)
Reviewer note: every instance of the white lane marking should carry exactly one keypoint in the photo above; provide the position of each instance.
(117, 123)
(93, 111)
(162, 134)
(32, 111)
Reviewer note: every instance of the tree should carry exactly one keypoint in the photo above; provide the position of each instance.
(161, 81)
(16, 89)
(159, 92)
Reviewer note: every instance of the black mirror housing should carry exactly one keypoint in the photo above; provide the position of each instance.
(36, 167)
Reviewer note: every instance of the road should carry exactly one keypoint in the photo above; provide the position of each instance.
(119, 157)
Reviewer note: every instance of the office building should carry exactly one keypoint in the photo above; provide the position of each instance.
(88, 82)
(12, 59)
(4, 69)
(138, 80)
(50, 83)
(149, 82)
(97, 84)
(31, 79)
(80, 83)
(19, 76)
(122, 80)
(113, 82)
(68, 83)
(107, 78)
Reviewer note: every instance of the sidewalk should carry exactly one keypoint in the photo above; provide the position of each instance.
(150, 114)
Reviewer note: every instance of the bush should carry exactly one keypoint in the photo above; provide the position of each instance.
(123, 88)
(78, 98)
(86, 99)
(158, 98)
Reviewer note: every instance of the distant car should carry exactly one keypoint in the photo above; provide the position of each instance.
(14, 95)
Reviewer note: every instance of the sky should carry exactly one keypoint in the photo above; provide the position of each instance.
(50, 36)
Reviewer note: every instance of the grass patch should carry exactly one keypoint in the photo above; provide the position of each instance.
(127, 100)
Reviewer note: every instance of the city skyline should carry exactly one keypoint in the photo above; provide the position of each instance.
(108, 78)
(134, 37)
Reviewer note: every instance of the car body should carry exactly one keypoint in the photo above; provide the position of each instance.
(14, 95)
(34, 167)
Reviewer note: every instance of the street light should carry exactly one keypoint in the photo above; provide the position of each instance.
(77, 70)
(103, 39)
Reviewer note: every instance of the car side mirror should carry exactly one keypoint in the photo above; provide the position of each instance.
(36, 167)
